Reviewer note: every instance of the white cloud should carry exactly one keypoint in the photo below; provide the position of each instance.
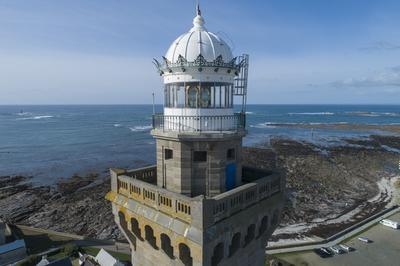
(381, 46)
(388, 78)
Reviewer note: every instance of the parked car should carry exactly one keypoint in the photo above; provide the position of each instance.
(328, 251)
(346, 248)
(364, 239)
(322, 253)
(336, 249)
(390, 223)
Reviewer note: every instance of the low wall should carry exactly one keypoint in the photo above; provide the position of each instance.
(206, 210)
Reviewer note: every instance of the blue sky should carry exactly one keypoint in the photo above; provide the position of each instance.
(100, 52)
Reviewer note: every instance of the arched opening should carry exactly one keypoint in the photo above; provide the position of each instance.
(184, 255)
(122, 220)
(166, 245)
(124, 225)
(275, 218)
(218, 254)
(136, 229)
(149, 235)
(250, 234)
(263, 225)
(235, 244)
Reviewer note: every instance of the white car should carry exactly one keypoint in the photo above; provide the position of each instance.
(345, 247)
(336, 249)
(364, 239)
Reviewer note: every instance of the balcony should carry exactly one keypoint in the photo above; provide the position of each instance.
(139, 185)
(182, 123)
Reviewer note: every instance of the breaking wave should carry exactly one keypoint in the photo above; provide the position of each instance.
(140, 128)
(23, 113)
(373, 114)
(36, 117)
(283, 124)
(315, 113)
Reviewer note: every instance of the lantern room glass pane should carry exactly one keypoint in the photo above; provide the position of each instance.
(192, 96)
(198, 95)
(205, 97)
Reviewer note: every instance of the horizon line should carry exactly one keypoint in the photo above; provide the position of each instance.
(159, 104)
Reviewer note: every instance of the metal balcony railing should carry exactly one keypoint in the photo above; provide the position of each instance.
(182, 123)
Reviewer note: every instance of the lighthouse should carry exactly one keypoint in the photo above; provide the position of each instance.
(199, 205)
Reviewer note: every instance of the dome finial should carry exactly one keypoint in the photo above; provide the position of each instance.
(198, 11)
(198, 21)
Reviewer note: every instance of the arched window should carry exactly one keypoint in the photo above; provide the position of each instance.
(192, 95)
(184, 255)
(275, 218)
(218, 254)
(235, 244)
(124, 225)
(136, 229)
(263, 225)
(149, 235)
(122, 219)
(166, 245)
(250, 234)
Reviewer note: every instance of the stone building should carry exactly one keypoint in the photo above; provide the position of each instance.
(199, 205)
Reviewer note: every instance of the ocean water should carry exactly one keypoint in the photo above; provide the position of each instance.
(52, 142)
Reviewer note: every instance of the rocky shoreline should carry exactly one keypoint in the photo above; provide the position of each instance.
(322, 183)
(76, 205)
(331, 188)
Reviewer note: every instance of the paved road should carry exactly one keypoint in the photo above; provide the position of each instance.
(337, 240)
(384, 250)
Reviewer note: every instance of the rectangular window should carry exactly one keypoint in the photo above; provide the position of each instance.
(230, 154)
(223, 97)
(200, 156)
(181, 96)
(168, 154)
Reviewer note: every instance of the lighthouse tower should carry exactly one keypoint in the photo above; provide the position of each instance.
(199, 205)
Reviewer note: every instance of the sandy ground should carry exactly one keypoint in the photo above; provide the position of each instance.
(387, 193)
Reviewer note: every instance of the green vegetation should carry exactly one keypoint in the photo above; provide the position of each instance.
(275, 260)
(90, 250)
(30, 261)
(37, 242)
(71, 250)
(357, 234)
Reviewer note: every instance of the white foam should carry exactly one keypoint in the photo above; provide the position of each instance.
(36, 117)
(372, 114)
(249, 113)
(117, 125)
(140, 128)
(23, 113)
(283, 124)
(315, 113)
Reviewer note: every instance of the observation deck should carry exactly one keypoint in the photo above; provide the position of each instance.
(193, 124)
(132, 187)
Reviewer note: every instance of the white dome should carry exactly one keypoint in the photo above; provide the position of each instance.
(199, 41)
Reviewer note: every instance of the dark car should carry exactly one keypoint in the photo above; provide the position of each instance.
(322, 252)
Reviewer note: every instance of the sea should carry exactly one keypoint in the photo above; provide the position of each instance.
(54, 141)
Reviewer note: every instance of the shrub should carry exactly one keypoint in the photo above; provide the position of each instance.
(71, 250)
